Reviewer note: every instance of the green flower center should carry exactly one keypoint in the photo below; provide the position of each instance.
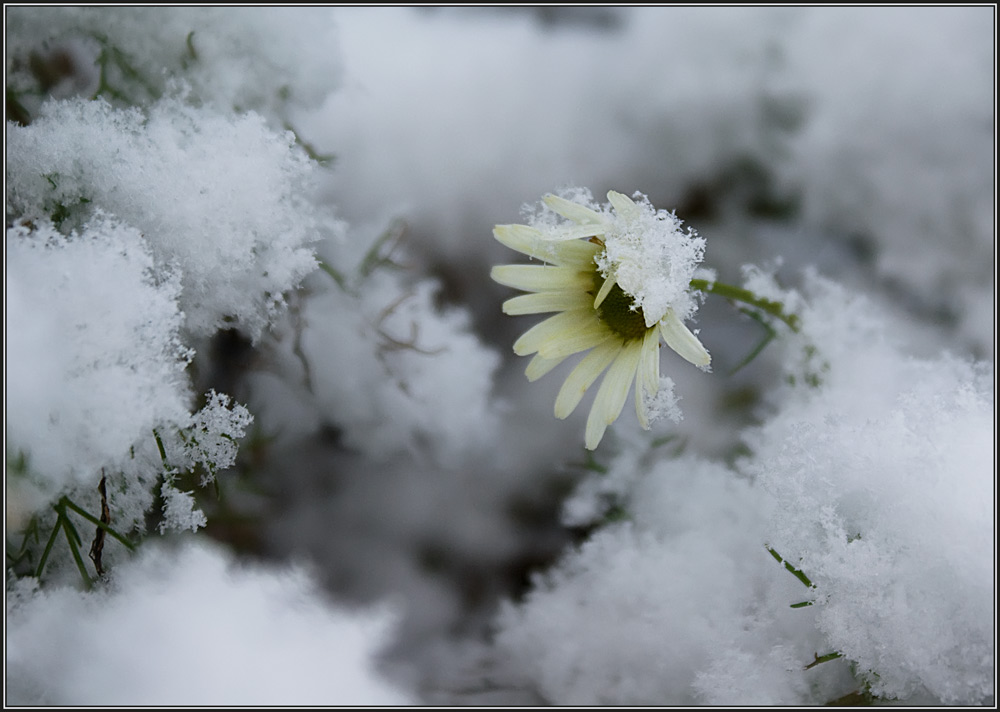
(617, 312)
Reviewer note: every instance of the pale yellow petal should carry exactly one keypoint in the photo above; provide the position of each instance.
(572, 211)
(612, 394)
(647, 377)
(605, 290)
(562, 233)
(579, 253)
(583, 376)
(552, 331)
(681, 340)
(543, 302)
(580, 338)
(542, 278)
(526, 240)
(539, 366)
(623, 204)
(554, 250)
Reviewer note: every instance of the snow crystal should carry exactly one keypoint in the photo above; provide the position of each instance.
(664, 404)
(179, 511)
(214, 430)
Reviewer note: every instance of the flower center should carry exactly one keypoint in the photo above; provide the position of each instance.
(617, 313)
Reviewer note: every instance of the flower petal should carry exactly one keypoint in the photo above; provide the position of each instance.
(623, 204)
(562, 233)
(605, 290)
(647, 377)
(542, 302)
(554, 330)
(579, 339)
(538, 366)
(612, 394)
(526, 240)
(681, 340)
(542, 278)
(572, 211)
(576, 253)
(583, 376)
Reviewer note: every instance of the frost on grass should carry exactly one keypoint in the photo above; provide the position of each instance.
(222, 201)
(246, 635)
(883, 478)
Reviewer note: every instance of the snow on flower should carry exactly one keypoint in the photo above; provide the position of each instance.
(618, 279)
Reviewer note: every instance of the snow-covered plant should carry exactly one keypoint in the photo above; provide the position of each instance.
(134, 227)
(887, 534)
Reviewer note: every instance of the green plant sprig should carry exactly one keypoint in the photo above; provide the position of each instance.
(738, 294)
(797, 573)
(73, 538)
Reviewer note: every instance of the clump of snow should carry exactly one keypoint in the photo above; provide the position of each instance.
(646, 252)
(883, 477)
(247, 636)
(94, 354)
(872, 474)
(652, 260)
(642, 607)
(664, 403)
(221, 200)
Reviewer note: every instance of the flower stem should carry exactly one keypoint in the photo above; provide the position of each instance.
(738, 294)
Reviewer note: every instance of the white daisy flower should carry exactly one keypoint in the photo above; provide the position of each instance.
(618, 281)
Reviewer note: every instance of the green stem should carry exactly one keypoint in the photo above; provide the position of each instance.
(163, 451)
(822, 659)
(48, 549)
(94, 520)
(337, 276)
(738, 294)
(73, 538)
(794, 571)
